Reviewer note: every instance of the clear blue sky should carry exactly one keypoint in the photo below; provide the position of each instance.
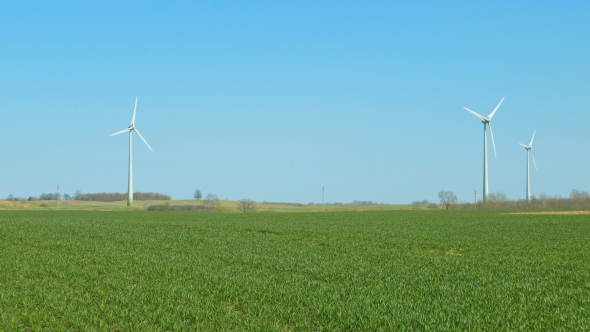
(272, 100)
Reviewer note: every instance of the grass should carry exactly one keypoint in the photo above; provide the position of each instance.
(370, 271)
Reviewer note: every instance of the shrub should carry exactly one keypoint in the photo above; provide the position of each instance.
(223, 209)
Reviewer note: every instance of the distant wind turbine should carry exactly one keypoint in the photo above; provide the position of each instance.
(528, 179)
(486, 122)
(131, 129)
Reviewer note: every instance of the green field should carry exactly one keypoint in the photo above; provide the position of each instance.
(337, 271)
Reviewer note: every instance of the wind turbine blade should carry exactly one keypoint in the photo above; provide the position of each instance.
(533, 138)
(494, 144)
(523, 145)
(479, 116)
(122, 131)
(143, 139)
(494, 112)
(532, 154)
(134, 110)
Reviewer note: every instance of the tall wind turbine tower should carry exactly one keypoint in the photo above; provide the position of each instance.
(322, 199)
(131, 129)
(528, 178)
(486, 122)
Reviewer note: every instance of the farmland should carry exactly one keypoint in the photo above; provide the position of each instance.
(225, 205)
(334, 271)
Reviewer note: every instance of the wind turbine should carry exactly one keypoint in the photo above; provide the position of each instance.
(486, 122)
(528, 179)
(131, 129)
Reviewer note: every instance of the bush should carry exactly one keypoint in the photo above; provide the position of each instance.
(43, 205)
(223, 209)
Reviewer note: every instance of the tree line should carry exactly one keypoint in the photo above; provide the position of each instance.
(98, 197)
(112, 197)
(42, 197)
(209, 204)
(578, 200)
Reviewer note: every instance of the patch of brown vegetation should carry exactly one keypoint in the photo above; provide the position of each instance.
(454, 253)
(8, 205)
(451, 252)
(231, 308)
(554, 212)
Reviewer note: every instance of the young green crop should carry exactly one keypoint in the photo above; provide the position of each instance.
(370, 271)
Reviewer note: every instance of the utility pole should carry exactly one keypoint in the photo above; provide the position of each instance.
(58, 197)
(475, 204)
(323, 199)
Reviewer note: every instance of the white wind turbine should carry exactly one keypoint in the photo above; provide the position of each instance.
(131, 129)
(486, 122)
(528, 179)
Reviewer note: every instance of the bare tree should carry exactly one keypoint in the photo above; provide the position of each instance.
(447, 198)
(498, 197)
(246, 206)
(579, 194)
(211, 202)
